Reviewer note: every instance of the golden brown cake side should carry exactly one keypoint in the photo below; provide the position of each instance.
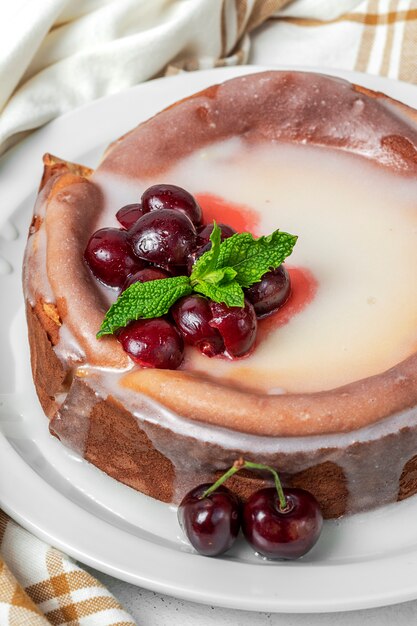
(345, 479)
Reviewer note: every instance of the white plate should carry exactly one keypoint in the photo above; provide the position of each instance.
(366, 561)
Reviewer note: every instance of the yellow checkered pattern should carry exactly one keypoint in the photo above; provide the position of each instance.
(372, 36)
(40, 586)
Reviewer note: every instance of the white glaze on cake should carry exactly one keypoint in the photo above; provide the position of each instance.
(357, 227)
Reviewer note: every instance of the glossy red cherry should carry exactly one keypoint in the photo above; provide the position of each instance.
(204, 233)
(192, 315)
(110, 257)
(236, 325)
(144, 275)
(282, 534)
(271, 292)
(153, 343)
(211, 523)
(196, 254)
(129, 215)
(163, 237)
(172, 197)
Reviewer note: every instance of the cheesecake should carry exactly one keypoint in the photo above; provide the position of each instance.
(328, 395)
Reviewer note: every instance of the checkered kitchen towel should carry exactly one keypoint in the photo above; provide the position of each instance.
(58, 54)
(40, 586)
(373, 36)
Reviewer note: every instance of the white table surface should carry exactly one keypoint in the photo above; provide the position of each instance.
(154, 609)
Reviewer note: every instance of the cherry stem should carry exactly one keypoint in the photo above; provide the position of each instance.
(242, 464)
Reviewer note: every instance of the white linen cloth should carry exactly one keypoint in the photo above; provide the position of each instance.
(56, 55)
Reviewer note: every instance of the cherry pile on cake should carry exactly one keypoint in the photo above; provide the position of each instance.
(161, 356)
(164, 237)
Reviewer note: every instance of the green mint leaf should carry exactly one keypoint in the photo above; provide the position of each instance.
(229, 274)
(231, 293)
(208, 261)
(144, 300)
(222, 276)
(251, 258)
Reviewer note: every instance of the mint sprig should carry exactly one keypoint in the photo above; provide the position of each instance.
(220, 274)
(229, 293)
(251, 258)
(144, 300)
(208, 262)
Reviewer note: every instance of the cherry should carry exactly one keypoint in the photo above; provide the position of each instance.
(144, 275)
(172, 197)
(211, 523)
(153, 343)
(172, 270)
(192, 258)
(204, 233)
(129, 215)
(192, 315)
(236, 325)
(271, 292)
(282, 532)
(163, 237)
(279, 523)
(110, 257)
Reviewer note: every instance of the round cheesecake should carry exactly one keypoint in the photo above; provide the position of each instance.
(328, 396)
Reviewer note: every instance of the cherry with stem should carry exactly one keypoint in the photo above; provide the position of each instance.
(279, 523)
(242, 464)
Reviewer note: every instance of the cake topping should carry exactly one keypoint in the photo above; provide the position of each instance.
(144, 275)
(242, 256)
(237, 326)
(174, 198)
(222, 265)
(205, 231)
(144, 300)
(129, 214)
(164, 237)
(271, 292)
(278, 523)
(110, 257)
(193, 317)
(153, 343)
